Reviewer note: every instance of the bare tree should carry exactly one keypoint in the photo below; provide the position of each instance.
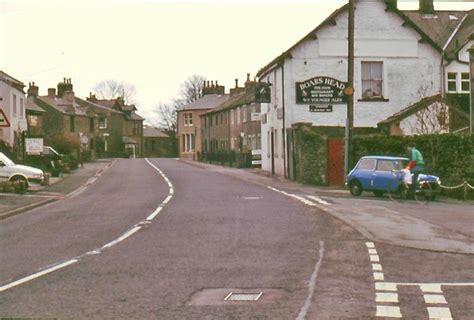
(191, 89)
(168, 118)
(432, 119)
(112, 89)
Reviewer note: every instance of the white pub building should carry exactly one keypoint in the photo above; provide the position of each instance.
(401, 57)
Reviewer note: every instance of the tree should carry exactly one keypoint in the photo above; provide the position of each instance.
(167, 119)
(191, 89)
(112, 89)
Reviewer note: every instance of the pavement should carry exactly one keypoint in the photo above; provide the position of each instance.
(12, 204)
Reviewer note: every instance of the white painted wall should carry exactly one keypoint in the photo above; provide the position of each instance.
(6, 104)
(411, 70)
(463, 53)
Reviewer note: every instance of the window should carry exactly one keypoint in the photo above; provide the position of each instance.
(366, 164)
(102, 123)
(275, 137)
(372, 80)
(72, 125)
(188, 119)
(259, 142)
(232, 116)
(244, 114)
(32, 120)
(14, 104)
(465, 81)
(452, 81)
(385, 165)
(238, 115)
(136, 129)
(22, 109)
(91, 124)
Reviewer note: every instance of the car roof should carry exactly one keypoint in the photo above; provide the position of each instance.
(384, 158)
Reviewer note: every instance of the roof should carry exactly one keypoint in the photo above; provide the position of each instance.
(410, 110)
(208, 101)
(95, 107)
(463, 35)
(17, 84)
(31, 106)
(434, 30)
(134, 116)
(384, 158)
(235, 100)
(152, 132)
(65, 106)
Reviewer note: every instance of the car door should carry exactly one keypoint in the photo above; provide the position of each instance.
(384, 177)
(3, 172)
(365, 170)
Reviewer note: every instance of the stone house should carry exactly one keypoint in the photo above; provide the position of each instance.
(66, 121)
(127, 126)
(189, 126)
(235, 123)
(157, 143)
(34, 114)
(398, 62)
(12, 112)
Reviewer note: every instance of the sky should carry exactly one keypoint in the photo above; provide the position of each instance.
(154, 45)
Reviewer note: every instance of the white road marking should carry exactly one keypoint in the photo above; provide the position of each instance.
(121, 238)
(439, 313)
(386, 297)
(373, 251)
(374, 258)
(370, 245)
(385, 286)
(435, 299)
(127, 234)
(431, 288)
(252, 198)
(378, 276)
(319, 200)
(376, 267)
(37, 275)
(388, 311)
(312, 283)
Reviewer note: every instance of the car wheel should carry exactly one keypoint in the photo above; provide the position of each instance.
(19, 184)
(355, 188)
(379, 193)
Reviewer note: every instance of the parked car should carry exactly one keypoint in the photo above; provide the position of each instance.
(381, 174)
(21, 176)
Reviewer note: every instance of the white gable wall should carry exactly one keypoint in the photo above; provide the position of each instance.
(411, 71)
(6, 104)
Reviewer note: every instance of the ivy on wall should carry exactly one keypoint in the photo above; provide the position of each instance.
(310, 156)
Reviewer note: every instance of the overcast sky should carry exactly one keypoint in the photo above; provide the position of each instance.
(154, 45)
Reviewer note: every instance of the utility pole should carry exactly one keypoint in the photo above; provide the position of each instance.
(471, 66)
(349, 90)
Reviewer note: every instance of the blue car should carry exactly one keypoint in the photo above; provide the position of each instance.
(381, 174)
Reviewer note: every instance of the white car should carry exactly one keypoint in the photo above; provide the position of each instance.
(20, 175)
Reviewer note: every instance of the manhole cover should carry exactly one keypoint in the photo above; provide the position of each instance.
(243, 296)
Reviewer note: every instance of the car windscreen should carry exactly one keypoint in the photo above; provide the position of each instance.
(6, 160)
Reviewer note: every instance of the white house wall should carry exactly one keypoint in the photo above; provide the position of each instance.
(380, 36)
(463, 53)
(6, 104)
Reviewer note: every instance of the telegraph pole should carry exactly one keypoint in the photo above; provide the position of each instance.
(349, 90)
(471, 66)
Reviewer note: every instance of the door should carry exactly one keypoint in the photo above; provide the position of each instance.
(335, 162)
(272, 139)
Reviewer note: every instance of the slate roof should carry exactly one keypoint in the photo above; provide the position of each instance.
(96, 107)
(234, 101)
(8, 79)
(463, 35)
(209, 101)
(152, 132)
(436, 31)
(64, 106)
(31, 106)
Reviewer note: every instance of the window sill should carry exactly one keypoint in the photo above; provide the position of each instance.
(374, 100)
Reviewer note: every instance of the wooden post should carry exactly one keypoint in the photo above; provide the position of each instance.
(350, 84)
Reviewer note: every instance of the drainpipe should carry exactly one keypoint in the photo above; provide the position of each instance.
(284, 126)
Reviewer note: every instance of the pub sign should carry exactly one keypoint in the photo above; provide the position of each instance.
(263, 93)
(320, 90)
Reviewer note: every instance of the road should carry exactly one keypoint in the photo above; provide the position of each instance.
(162, 239)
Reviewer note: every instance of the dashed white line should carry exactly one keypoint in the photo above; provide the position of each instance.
(434, 299)
(319, 200)
(121, 238)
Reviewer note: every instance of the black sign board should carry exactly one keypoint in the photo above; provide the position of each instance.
(320, 90)
(313, 108)
(263, 93)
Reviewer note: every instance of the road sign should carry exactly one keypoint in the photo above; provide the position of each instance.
(3, 119)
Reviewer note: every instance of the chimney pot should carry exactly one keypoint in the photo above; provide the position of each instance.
(248, 76)
(236, 83)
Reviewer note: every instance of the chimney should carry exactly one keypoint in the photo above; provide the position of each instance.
(391, 4)
(92, 98)
(64, 86)
(237, 89)
(249, 84)
(33, 90)
(51, 92)
(212, 88)
(69, 96)
(426, 7)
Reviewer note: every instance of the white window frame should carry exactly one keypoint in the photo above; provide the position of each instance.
(468, 81)
(104, 126)
(381, 80)
(455, 81)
